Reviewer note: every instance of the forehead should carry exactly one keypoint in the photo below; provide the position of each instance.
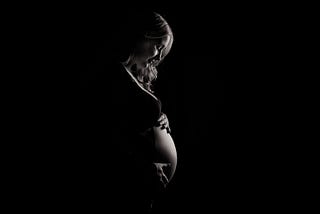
(160, 41)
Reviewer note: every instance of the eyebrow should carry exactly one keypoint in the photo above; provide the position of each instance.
(159, 39)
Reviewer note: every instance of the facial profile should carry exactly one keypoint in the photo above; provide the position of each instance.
(150, 49)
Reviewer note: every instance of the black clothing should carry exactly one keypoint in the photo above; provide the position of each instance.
(129, 113)
(111, 142)
(91, 147)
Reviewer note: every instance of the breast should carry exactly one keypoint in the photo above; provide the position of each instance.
(165, 150)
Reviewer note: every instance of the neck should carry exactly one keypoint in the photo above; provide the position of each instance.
(145, 76)
(140, 84)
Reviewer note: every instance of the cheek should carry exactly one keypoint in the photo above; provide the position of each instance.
(146, 51)
(151, 50)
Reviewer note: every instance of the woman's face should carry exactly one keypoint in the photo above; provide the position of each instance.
(149, 52)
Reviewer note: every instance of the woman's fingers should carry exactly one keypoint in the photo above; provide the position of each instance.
(162, 117)
(160, 171)
(162, 165)
(164, 180)
(163, 121)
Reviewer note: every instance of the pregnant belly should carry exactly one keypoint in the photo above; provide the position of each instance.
(165, 150)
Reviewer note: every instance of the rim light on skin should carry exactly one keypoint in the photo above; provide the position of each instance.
(150, 51)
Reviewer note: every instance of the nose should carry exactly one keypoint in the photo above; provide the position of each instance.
(157, 54)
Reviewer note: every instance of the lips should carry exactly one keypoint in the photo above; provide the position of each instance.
(153, 62)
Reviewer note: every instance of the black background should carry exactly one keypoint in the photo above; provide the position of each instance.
(219, 85)
(191, 89)
(53, 49)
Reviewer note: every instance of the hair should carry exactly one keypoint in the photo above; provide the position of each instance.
(140, 26)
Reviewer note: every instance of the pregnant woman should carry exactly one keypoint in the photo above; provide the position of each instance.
(105, 147)
(146, 153)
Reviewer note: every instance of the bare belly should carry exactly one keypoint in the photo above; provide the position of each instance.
(166, 150)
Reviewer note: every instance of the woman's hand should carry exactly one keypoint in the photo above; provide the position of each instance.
(160, 179)
(163, 122)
